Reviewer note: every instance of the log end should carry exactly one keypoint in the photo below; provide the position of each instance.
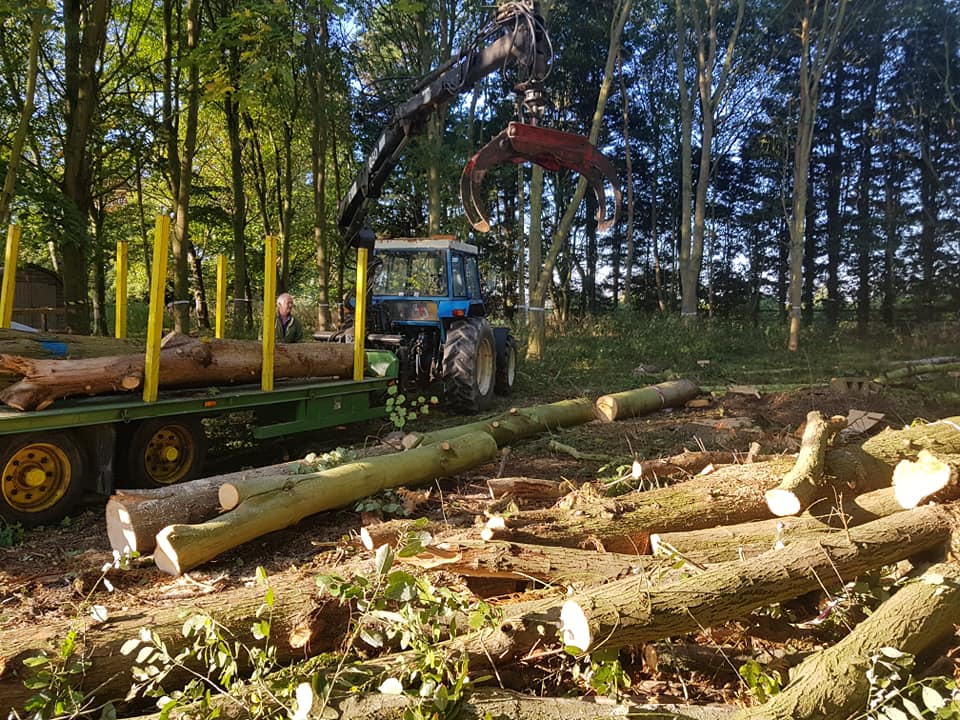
(574, 627)
(607, 408)
(164, 556)
(782, 502)
(120, 532)
(229, 496)
(915, 480)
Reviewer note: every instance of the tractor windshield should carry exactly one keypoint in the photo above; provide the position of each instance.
(411, 272)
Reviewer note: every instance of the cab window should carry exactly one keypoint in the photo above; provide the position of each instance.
(459, 281)
(473, 277)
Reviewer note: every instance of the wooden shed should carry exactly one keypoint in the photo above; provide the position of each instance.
(38, 298)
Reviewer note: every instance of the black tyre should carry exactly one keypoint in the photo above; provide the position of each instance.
(42, 478)
(164, 452)
(506, 366)
(469, 366)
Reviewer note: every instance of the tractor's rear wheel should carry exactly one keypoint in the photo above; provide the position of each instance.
(469, 365)
(165, 451)
(506, 367)
(42, 477)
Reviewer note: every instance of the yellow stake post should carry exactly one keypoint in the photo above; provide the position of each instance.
(269, 311)
(221, 296)
(161, 242)
(9, 275)
(120, 321)
(360, 315)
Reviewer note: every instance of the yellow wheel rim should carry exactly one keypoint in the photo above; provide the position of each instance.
(36, 477)
(169, 454)
(485, 367)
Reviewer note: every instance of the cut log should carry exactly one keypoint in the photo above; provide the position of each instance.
(624, 613)
(548, 564)
(515, 424)
(914, 481)
(184, 363)
(48, 345)
(632, 403)
(689, 463)
(134, 517)
(746, 540)
(833, 684)
(527, 487)
(805, 481)
(258, 512)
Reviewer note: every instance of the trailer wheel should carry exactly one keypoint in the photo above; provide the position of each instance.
(42, 477)
(166, 451)
(469, 358)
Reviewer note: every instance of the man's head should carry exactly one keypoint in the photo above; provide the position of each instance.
(285, 305)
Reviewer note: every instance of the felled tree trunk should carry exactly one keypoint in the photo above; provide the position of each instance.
(134, 517)
(263, 507)
(47, 345)
(746, 540)
(631, 403)
(107, 677)
(806, 480)
(626, 613)
(833, 684)
(515, 424)
(185, 362)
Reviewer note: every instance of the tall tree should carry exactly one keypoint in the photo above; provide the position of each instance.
(710, 88)
(85, 32)
(817, 46)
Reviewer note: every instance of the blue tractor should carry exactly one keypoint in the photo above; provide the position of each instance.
(427, 306)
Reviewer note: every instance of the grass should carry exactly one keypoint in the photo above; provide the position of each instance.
(624, 350)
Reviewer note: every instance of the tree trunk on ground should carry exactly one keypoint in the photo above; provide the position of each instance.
(806, 479)
(108, 675)
(262, 507)
(628, 613)
(546, 563)
(745, 540)
(833, 684)
(515, 424)
(632, 403)
(134, 517)
(185, 362)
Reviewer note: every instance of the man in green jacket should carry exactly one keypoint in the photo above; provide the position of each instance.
(288, 328)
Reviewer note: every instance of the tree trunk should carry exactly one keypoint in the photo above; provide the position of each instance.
(631, 403)
(628, 612)
(806, 479)
(186, 362)
(833, 684)
(746, 540)
(62, 345)
(262, 508)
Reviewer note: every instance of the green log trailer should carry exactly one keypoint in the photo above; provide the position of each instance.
(49, 458)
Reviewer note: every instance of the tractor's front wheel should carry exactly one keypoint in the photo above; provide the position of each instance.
(469, 365)
(165, 451)
(42, 477)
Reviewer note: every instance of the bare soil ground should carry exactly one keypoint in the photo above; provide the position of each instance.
(45, 579)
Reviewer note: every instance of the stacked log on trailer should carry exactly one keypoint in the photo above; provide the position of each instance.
(851, 519)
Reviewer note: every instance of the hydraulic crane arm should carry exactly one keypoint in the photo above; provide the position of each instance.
(516, 34)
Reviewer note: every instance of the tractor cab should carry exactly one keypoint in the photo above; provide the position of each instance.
(417, 281)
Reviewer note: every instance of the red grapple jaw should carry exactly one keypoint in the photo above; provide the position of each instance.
(548, 148)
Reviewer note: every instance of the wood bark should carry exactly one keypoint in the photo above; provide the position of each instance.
(833, 684)
(134, 517)
(627, 613)
(805, 481)
(48, 345)
(746, 540)
(262, 508)
(631, 403)
(108, 677)
(546, 563)
(515, 424)
(185, 362)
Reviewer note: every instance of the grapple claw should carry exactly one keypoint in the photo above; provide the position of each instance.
(552, 150)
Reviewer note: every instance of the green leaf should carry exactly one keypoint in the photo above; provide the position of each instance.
(932, 699)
